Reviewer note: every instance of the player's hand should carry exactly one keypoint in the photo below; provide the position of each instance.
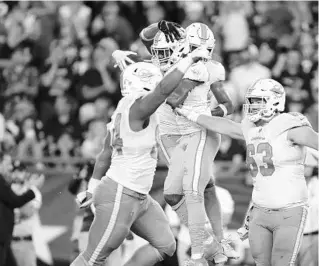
(188, 113)
(172, 30)
(121, 58)
(200, 53)
(84, 199)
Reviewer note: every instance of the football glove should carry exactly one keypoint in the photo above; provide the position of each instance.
(171, 30)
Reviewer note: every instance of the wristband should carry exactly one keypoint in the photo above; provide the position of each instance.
(93, 183)
(223, 107)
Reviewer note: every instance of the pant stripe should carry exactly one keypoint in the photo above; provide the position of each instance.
(110, 226)
(163, 150)
(198, 159)
(299, 236)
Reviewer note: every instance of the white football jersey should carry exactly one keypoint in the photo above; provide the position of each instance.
(207, 72)
(167, 117)
(134, 156)
(275, 163)
(167, 120)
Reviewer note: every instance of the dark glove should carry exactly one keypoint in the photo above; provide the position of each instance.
(170, 29)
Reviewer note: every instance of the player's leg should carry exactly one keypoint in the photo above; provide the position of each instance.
(111, 224)
(198, 172)
(152, 226)
(167, 144)
(288, 236)
(212, 204)
(173, 190)
(260, 237)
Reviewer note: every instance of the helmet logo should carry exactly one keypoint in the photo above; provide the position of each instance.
(202, 34)
(144, 75)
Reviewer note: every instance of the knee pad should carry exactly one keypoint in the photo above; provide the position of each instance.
(168, 250)
(173, 199)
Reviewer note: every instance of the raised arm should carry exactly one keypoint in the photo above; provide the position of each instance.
(147, 105)
(225, 106)
(170, 29)
(181, 92)
(12, 200)
(304, 136)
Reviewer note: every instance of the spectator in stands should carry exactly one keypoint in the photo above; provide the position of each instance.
(76, 17)
(29, 143)
(247, 71)
(110, 24)
(100, 78)
(64, 121)
(93, 142)
(22, 79)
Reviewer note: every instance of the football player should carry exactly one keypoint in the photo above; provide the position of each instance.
(124, 170)
(204, 77)
(276, 148)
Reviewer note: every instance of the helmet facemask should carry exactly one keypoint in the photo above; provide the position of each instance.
(264, 99)
(161, 57)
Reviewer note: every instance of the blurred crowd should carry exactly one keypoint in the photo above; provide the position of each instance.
(59, 87)
(58, 84)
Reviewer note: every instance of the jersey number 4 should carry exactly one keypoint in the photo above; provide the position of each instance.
(262, 148)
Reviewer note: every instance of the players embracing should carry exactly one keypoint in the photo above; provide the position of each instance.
(188, 148)
(124, 170)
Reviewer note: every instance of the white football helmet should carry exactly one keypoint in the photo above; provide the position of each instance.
(272, 97)
(140, 77)
(162, 51)
(199, 34)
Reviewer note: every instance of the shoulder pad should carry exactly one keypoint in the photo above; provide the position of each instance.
(197, 72)
(287, 121)
(216, 71)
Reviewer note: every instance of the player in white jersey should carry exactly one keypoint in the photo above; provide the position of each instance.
(276, 146)
(190, 181)
(161, 40)
(170, 129)
(124, 170)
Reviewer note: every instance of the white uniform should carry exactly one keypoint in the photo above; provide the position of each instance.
(121, 200)
(276, 164)
(191, 161)
(197, 100)
(134, 156)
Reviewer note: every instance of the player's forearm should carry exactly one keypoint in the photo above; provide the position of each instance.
(153, 100)
(148, 33)
(221, 125)
(225, 106)
(102, 164)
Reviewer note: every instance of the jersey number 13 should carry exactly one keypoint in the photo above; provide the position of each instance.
(262, 148)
